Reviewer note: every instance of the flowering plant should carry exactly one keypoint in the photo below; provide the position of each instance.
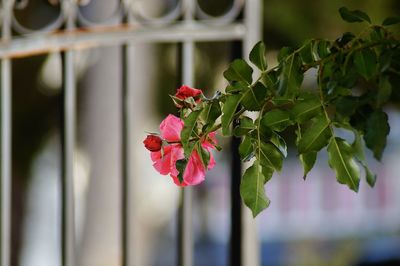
(356, 77)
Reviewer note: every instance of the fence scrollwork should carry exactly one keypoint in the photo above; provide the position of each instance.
(139, 12)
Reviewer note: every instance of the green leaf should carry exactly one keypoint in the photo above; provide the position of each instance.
(236, 87)
(345, 39)
(270, 81)
(353, 15)
(365, 62)
(316, 136)
(267, 172)
(239, 70)
(291, 76)
(306, 52)
(358, 146)
(358, 151)
(262, 132)
(257, 56)
(252, 189)
(391, 21)
(371, 177)
(305, 110)
(323, 48)
(284, 52)
(181, 166)
(245, 125)
(376, 131)
(385, 60)
(279, 142)
(254, 97)
(377, 34)
(228, 111)
(346, 105)
(359, 118)
(342, 162)
(277, 119)
(384, 91)
(189, 127)
(281, 100)
(246, 150)
(210, 113)
(308, 161)
(269, 155)
(203, 154)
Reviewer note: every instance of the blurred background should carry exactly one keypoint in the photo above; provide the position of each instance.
(312, 222)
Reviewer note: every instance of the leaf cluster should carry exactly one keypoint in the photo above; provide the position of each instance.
(356, 76)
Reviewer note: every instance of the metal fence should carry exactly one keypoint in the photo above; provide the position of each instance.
(185, 23)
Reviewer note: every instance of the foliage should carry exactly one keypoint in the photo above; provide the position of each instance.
(356, 75)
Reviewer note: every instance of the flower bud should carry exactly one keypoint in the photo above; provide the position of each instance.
(185, 92)
(153, 143)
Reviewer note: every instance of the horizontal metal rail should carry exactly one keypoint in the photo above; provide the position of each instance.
(117, 35)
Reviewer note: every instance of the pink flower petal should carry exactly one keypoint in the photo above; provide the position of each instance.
(210, 142)
(162, 161)
(176, 154)
(209, 145)
(211, 163)
(176, 181)
(171, 128)
(195, 171)
(165, 160)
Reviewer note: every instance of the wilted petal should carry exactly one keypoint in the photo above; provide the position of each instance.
(171, 128)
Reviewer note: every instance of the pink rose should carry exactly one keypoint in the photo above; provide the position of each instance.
(153, 143)
(164, 160)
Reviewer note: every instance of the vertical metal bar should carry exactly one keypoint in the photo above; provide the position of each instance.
(68, 145)
(6, 141)
(126, 116)
(124, 160)
(235, 243)
(68, 215)
(185, 252)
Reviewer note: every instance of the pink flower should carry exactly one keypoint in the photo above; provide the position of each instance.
(186, 92)
(165, 159)
(153, 143)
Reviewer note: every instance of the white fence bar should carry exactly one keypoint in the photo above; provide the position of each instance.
(186, 235)
(6, 185)
(250, 242)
